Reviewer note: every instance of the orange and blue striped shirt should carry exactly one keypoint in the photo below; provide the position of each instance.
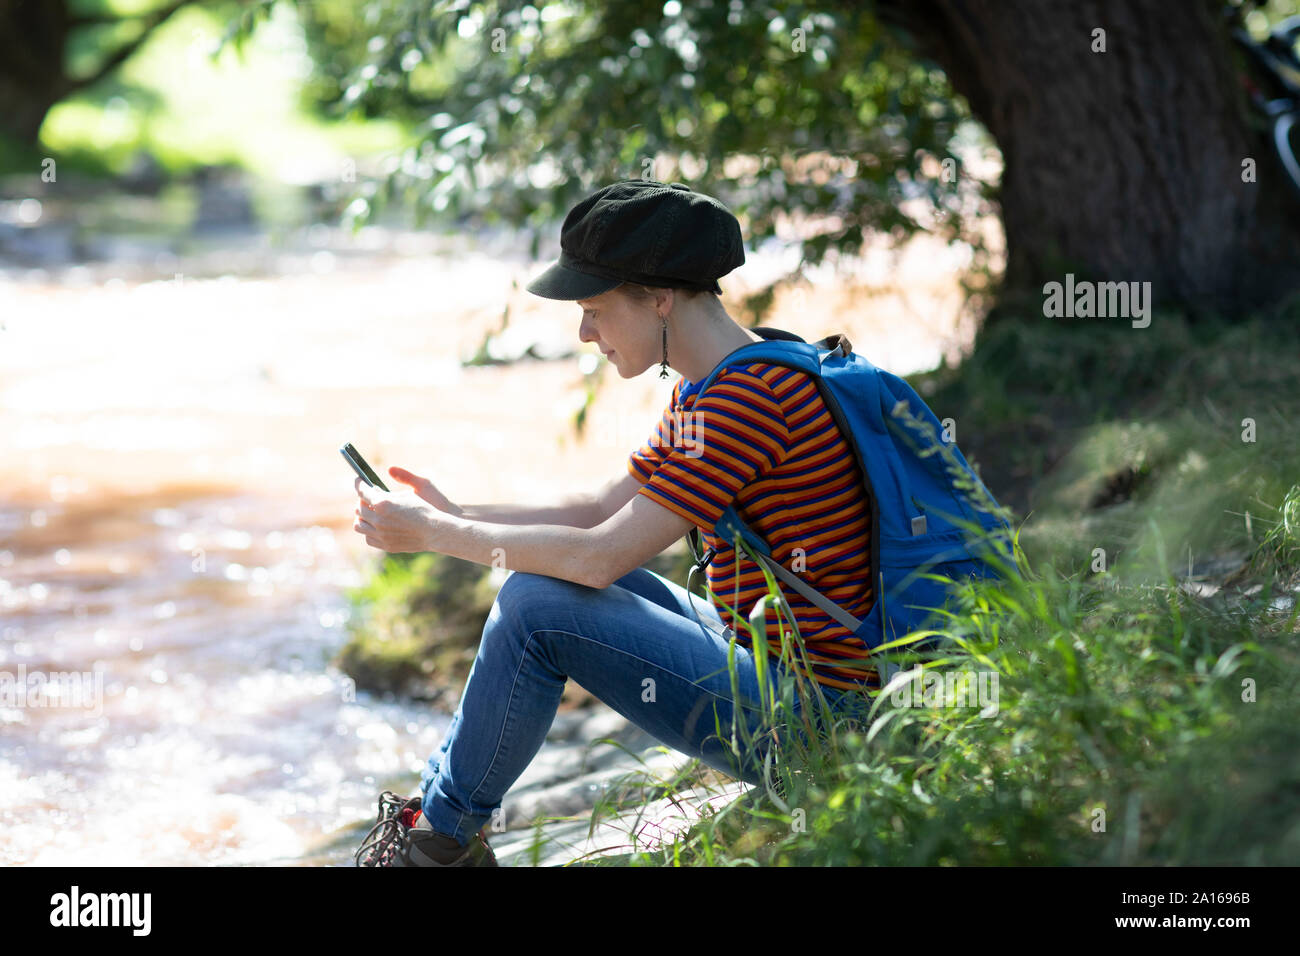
(763, 441)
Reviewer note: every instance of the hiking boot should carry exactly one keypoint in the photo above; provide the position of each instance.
(402, 836)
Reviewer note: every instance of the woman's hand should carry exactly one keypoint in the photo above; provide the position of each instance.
(396, 521)
(425, 490)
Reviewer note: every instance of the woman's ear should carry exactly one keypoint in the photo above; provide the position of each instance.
(664, 302)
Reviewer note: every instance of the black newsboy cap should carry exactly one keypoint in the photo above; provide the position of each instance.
(638, 230)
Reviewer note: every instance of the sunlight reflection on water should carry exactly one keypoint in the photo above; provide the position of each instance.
(176, 519)
(218, 732)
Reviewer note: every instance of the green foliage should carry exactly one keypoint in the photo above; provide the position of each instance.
(779, 109)
(418, 624)
(1120, 734)
(1144, 714)
(1280, 546)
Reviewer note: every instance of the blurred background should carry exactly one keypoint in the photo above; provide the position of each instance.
(234, 236)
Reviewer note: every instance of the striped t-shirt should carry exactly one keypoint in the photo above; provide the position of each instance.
(762, 439)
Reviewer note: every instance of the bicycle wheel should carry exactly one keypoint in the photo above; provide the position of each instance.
(1286, 140)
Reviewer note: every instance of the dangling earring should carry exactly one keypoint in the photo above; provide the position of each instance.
(663, 368)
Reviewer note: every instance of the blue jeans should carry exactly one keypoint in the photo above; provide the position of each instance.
(635, 645)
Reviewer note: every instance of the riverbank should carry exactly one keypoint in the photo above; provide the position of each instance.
(1140, 670)
(1128, 698)
(176, 518)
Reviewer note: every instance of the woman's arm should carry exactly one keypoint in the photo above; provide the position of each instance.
(596, 557)
(576, 511)
(582, 510)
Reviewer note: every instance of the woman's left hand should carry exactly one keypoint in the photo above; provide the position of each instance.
(395, 521)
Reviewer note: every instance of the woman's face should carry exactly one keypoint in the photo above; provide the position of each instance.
(626, 329)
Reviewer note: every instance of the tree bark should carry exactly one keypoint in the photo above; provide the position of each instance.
(1123, 165)
(33, 35)
(33, 77)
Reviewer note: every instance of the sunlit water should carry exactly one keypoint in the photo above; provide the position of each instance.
(175, 520)
(209, 726)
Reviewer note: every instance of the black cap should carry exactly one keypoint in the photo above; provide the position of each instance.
(638, 230)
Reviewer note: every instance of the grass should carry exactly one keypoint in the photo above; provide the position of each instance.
(1140, 663)
(417, 626)
(1144, 657)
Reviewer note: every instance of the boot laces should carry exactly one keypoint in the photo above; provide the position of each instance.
(382, 844)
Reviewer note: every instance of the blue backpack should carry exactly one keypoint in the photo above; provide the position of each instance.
(915, 492)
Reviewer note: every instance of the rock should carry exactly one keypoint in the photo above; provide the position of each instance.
(145, 176)
(547, 813)
(224, 200)
(643, 829)
(50, 245)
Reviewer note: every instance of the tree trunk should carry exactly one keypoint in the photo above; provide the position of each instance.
(33, 42)
(33, 36)
(1123, 165)
(23, 110)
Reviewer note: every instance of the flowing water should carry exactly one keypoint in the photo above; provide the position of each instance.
(175, 518)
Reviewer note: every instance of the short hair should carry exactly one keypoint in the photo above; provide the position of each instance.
(639, 291)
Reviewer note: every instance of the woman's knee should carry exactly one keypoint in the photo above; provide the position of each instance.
(525, 600)
(526, 588)
(519, 610)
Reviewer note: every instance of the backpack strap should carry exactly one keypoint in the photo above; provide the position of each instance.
(731, 525)
(693, 535)
(780, 335)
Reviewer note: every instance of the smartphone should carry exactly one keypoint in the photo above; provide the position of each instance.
(361, 466)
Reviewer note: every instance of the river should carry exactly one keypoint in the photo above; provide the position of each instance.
(175, 518)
